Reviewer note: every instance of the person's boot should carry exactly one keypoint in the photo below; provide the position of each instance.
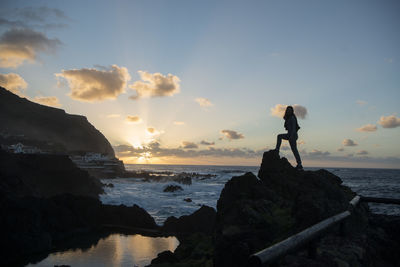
(299, 167)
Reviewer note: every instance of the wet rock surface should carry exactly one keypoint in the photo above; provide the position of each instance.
(172, 188)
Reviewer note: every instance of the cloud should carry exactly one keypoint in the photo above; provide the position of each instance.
(153, 131)
(133, 119)
(39, 14)
(301, 142)
(316, 152)
(232, 135)
(389, 121)
(349, 142)
(13, 82)
(340, 149)
(156, 84)
(206, 143)
(367, 128)
(90, 85)
(187, 145)
(361, 102)
(285, 147)
(362, 152)
(22, 44)
(113, 115)
(48, 101)
(155, 150)
(179, 123)
(279, 111)
(203, 102)
(34, 17)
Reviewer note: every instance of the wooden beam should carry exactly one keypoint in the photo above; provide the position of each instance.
(272, 253)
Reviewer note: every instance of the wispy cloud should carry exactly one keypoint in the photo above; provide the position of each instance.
(232, 135)
(203, 102)
(361, 102)
(187, 145)
(153, 131)
(91, 85)
(179, 123)
(206, 143)
(349, 142)
(391, 121)
(362, 152)
(316, 152)
(133, 119)
(13, 82)
(156, 150)
(367, 128)
(279, 110)
(18, 45)
(155, 85)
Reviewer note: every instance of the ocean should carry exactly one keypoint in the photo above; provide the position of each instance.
(206, 191)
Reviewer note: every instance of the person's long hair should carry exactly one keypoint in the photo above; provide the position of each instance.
(289, 112)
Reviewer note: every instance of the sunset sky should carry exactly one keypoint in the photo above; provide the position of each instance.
(206, 82)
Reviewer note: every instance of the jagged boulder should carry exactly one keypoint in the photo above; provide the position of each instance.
(202, 220)
(254, 213)
(172, 188)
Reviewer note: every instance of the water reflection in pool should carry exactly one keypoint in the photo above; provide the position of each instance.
(114, 250)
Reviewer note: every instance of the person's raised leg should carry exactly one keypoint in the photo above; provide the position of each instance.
(279, 140)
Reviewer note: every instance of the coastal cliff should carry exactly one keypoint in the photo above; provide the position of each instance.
(48, 128)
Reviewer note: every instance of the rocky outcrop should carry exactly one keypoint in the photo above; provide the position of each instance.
(201, 221)
(172, 188)
(48, 128)
(44, 175)
(254, 213)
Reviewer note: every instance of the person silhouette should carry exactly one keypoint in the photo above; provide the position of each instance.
(292, 127)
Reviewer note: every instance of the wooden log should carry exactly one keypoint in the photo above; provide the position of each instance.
(355, 201)
(381, 200)
(272, 253)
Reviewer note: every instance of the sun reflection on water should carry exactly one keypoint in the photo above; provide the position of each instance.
(115, 250)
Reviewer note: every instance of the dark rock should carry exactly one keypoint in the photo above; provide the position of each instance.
(172, 188)
(188, 200)
(255, 213)
(44, 175)
(165, 257)
(202, 220)
(194, 250)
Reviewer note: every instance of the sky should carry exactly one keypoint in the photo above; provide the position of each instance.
(207, 82)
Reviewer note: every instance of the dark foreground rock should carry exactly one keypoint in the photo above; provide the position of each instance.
(202, 221)
(253, 214)
(30, 225)
(44, 175)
